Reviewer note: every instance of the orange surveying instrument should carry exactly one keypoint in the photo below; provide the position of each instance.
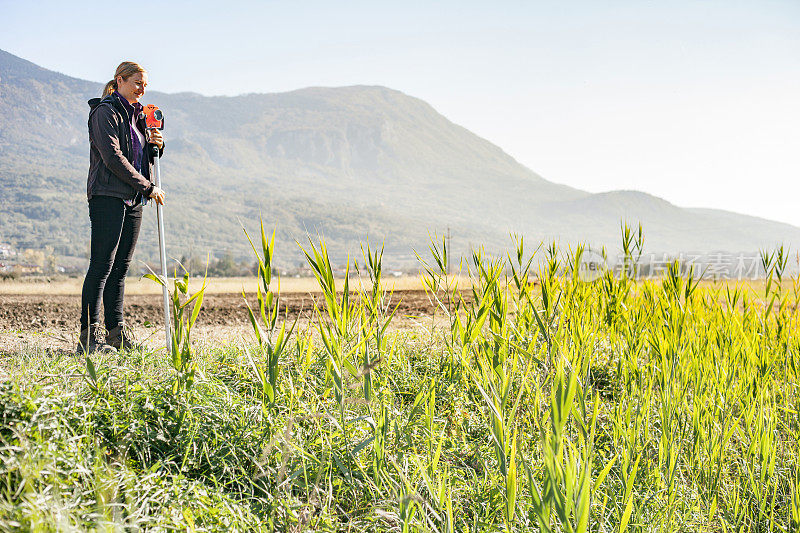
(153, 117)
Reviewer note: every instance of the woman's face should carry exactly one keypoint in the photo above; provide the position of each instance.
(133, 88)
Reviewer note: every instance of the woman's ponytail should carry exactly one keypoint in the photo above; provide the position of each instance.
(126, 69)
(109, 88)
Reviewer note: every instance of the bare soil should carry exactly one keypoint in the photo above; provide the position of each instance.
(50, 322)
(36, 312)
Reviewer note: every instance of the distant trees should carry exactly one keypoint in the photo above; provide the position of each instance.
(225, 266)
(33, 257)
(50, 260)
(45, 260)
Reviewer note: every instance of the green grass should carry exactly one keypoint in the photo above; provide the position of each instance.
(569, 405)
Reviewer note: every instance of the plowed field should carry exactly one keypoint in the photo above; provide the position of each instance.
(31, 312)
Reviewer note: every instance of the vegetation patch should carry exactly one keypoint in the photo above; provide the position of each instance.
(539, 401)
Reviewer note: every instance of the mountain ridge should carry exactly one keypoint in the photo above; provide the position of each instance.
(350, 162)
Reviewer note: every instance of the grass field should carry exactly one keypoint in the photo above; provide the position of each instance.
(568, 405)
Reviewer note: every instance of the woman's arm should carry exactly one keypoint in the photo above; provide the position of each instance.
(105, 138)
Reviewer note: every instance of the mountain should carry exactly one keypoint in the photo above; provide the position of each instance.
(348, 163)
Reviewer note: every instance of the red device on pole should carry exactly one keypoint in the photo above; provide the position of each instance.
(153, 117)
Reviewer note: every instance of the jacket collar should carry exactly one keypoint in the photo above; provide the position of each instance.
(133, 109)
(111, 99)
(117, 103)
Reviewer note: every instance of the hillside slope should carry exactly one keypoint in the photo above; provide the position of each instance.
(348, 163)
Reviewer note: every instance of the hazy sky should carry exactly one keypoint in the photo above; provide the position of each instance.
(694, 101)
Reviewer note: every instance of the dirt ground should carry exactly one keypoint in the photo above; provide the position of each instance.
(35, 312)
(51, 321)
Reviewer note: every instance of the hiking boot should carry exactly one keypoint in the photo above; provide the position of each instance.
(120, 338)
(91, 340)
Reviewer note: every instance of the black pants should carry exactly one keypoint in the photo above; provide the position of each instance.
(115, 228)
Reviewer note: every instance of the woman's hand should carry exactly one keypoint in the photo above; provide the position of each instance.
(157, 194)
(154, 136)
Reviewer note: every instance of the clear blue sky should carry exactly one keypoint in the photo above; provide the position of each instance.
(694, 101)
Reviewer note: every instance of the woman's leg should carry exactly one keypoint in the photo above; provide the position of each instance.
(106, 215)
(114, 292)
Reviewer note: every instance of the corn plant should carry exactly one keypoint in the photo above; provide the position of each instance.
(337, 328)
(181, 350)
(376, 315)
(270, 345)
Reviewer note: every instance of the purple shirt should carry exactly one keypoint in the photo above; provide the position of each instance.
(133, 111)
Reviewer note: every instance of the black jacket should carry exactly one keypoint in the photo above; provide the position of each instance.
(111, 172)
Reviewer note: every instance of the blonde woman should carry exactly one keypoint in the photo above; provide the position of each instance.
(119, 184)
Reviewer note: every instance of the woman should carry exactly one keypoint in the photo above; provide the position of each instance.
(120, 170)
